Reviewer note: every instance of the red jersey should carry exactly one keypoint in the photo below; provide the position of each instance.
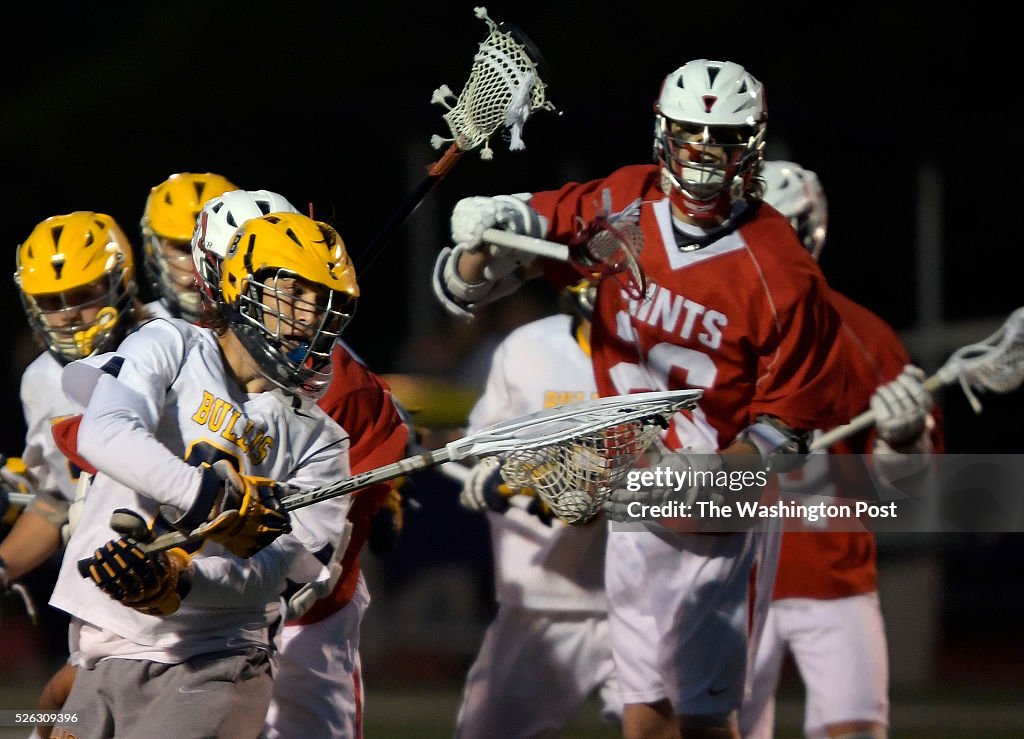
(838, 564)
(362, 404)
(745, 318)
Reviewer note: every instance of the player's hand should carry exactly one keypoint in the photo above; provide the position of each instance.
(248, 515)
(472, 216)
(152, 583)
(678, 471)
(486, 490)
(309, 593)
(387, 523)
(901, 408)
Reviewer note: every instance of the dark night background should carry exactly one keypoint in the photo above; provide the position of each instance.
(329, 104)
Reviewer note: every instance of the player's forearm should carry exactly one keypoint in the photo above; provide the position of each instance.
(31, 542)
(251, 582)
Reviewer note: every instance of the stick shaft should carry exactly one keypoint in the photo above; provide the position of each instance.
(528, 244)
(864, 420)
(435, 173)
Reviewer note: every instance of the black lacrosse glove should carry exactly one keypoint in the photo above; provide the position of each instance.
(151, 583)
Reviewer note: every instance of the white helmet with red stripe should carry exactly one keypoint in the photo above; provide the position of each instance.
(710, 120)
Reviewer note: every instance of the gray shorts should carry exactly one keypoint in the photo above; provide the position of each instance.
(224, 694)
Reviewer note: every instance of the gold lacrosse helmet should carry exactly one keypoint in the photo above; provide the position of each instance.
(288, 289)
(76, 277)
(167, 225)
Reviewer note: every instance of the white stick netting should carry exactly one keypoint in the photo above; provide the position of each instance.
(503, 89)
(574, 478)
(993, 365)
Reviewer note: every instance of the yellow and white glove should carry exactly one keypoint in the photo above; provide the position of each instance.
(248, 515)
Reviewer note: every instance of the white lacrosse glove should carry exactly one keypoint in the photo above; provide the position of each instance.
(901, 408)
(502, 274)
(303, 599)
(629, 505)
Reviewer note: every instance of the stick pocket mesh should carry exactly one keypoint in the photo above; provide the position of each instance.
(575, 477)
(503, 89)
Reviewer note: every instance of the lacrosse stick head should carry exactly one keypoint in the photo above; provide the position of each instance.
(612, 250)
(994, 365)
(505, 86)
(601, 442)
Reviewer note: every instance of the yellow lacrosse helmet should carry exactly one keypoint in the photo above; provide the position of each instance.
(76, 277)
(167, 225)
(288, 289)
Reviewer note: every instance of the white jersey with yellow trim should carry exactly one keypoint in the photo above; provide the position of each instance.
(561, 567)
(155, 409)
(44, 404)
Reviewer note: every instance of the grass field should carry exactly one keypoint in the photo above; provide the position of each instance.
(428, 713)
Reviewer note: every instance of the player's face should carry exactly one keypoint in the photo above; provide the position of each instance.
(177, 258)
(705, 156)
(294, 310)
(73, 307)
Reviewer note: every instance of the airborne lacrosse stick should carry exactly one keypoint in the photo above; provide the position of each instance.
(610, 247)
(503, 89)
(994, 365)
(589, 445)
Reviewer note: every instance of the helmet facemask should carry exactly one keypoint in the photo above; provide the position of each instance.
(84, 320)
(290, 336)
(170, 266)
(706, 169)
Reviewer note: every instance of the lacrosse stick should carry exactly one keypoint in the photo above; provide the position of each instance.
(995, 365)
(574, 456)
(610, 250)
(503, 89)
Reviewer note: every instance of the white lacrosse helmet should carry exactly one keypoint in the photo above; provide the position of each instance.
(216, 224)
(710, 120)
(798, 195)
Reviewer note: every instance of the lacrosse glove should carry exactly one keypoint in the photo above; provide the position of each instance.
(678, 484)
(151, 583)
(247, 515)
(901, 408)
(387, 523)
(485, 490)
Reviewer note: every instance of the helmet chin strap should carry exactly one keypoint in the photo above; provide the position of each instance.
(106, 321)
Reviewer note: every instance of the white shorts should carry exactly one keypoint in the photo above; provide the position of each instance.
(534, 671)
(681, 617)
(840, 649)
(318, 683)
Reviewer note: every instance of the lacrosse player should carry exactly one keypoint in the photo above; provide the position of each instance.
(167, 225)
(734, 306)
(548, 646)
(825, 607)
(76, 278)
(87, 306)
(318, 688)
(190, 426)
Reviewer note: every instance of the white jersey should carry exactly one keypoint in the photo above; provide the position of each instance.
(558, 567)
(44, 404)
(157, 309)
(163, 397)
